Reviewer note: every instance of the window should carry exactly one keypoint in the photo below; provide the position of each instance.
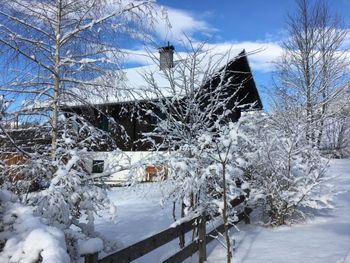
(104, 123)
(97, 166)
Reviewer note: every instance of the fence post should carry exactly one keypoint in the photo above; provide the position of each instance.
(202, 244)
(246, 215)
(91, 258)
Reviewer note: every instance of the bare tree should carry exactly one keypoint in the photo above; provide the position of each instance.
(314, 65)
(224, 173)
(57, 51)
(191, 102)
(60, 44)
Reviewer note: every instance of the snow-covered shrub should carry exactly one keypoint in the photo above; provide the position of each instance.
(65, 194)
(206, 175)
(31, 174)
(25, 237)
(17, 172)
(225, 168)
(224, 174)
(288, 175)
(72, 199)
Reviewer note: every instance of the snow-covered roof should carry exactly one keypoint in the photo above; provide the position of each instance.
(133, 83)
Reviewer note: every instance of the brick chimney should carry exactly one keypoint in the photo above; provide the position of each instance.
(166, 57)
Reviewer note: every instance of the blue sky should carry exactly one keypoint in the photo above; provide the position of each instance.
(250, 24)
(253, 25)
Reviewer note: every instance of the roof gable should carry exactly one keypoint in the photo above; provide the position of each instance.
(134, 84)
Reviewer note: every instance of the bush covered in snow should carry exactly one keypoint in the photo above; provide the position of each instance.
(267, 153)
(66, 195)
(25, 237)
(286, 174)
(71, 201)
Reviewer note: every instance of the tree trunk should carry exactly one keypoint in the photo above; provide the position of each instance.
(182, 236)
(55, 103)
(174, 211)
(320, 134)
(225, 216)
(325, 92)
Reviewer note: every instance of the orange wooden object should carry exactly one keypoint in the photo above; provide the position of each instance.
(13, 160)
(151, 169)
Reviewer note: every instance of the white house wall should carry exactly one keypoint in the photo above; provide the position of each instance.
(117, 164)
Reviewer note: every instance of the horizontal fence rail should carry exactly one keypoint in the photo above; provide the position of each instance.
(149, 244)
(200, 244)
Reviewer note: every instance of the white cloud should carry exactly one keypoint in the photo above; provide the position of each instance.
(346, 43)
(139, 56)
(185, 23)
(181, 23)
(260, 54)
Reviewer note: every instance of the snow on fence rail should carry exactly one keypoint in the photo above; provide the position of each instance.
(149, 244)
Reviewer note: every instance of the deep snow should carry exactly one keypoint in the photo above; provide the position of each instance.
(324, 238)
(27, 236)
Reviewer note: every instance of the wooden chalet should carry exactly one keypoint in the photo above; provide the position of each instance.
(132, 115)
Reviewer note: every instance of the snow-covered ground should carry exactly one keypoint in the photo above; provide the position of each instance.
(139, 215)
(325, 238)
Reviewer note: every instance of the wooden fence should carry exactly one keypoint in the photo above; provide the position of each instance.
(149, 244)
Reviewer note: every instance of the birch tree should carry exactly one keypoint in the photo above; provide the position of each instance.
(55, 49)
(59, 44)
(314, 65)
